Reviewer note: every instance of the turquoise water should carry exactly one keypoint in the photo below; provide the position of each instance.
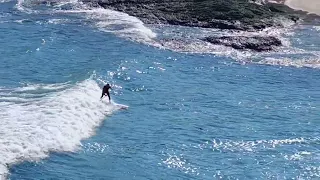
(190, 116)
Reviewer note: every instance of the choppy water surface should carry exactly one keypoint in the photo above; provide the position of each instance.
(195, 111)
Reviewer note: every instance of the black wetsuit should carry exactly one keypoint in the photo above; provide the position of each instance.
(105, 91)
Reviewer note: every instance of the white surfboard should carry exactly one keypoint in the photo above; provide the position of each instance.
(118, 106)
(121, 106)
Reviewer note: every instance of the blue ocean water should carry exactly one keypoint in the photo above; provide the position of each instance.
(195, 112)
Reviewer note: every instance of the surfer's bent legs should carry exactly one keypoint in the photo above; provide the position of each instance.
(102, 95)
(108, 94)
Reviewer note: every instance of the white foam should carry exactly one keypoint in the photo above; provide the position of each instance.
(185, 39)
(106, 20)
(30, 87)
(259, 2)
(58, 21)
(23, 6)
(310, 63)
(20, 21)
(57, 121)
(3, 1)
(119, 23)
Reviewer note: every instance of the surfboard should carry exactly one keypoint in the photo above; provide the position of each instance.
(118, 106)
(121, 106)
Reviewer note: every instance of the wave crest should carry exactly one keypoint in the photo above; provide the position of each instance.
(56, 121)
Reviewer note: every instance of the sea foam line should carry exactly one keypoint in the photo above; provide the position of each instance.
(107, 20)
(118, 23)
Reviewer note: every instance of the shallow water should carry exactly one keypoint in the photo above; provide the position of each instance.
(191, 115)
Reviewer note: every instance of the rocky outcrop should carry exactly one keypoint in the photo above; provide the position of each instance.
(243, 15)
(256, 43)
(222, 14)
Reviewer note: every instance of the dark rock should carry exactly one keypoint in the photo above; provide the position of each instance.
(256, 43)
(222, 14)
(241, 15)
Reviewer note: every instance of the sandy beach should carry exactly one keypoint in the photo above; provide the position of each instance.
(312, 6)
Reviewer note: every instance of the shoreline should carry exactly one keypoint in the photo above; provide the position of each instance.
(311, 6)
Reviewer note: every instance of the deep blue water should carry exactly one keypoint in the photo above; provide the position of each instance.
(190, 115)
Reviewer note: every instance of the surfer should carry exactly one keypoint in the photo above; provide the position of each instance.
(105, 91)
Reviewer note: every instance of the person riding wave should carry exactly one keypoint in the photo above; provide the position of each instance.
(105, 91)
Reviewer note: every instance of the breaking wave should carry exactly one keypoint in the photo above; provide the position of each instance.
(37, 119)
(106, 20)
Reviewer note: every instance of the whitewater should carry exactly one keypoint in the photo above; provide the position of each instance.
(197, 110)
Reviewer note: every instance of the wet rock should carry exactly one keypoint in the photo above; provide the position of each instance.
(256, 43)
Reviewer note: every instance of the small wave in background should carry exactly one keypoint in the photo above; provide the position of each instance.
(106, 20)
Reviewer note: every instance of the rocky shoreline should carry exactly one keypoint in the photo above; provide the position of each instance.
(240, 15)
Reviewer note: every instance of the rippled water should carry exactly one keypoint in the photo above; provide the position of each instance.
(204, 113)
